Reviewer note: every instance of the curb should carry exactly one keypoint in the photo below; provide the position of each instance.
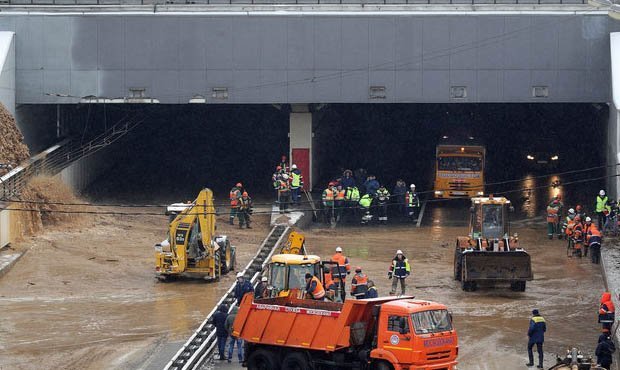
(4, 268)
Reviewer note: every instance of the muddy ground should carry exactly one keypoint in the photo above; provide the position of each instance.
(85, 296)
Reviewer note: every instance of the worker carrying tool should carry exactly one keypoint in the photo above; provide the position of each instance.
(245, 210)
(314, 288)
(383, 198)
(359, 284)
(553, 218)
(606, 311)
(413, 203)
(399, 271)
(536, 334)
(339, 274)
(234, 195)
(297, 183)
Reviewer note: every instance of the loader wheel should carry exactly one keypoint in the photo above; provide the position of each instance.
(518, 286)
(295, 361)
(262, 359)
(227, 263)
(458, 267)
(218, 264)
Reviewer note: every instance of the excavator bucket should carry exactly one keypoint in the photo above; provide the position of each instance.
(497, 266)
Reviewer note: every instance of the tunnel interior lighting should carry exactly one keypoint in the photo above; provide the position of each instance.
(555, 158)
(530, 157)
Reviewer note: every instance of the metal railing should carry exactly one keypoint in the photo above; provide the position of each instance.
(284, 2)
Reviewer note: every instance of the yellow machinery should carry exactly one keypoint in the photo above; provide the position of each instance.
(489, 253)
(192, 249)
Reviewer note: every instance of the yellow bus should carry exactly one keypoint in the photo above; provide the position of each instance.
(459, 171)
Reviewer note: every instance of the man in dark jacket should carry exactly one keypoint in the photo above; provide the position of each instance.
(219, 321)
(372, 290)
(605, 350)
(398, 193)
(242, 287)
(230, 320)
(261, 290)
(536, 333)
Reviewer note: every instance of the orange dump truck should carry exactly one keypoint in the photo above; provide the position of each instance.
(382, 333)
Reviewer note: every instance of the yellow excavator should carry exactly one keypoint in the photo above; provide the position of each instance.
(192, 249)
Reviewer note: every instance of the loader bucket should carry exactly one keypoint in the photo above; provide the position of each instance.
(497, 266)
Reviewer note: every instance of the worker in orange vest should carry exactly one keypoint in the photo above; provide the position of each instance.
(314, 288)
(359, 284)
(327, 198)
(578, 236)
(234, 195)
(553, 217)
(331, 288)
(606, 311)
(339, 203)
(340, 273)
(593, 240)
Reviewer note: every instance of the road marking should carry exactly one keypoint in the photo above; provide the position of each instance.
(421, 214)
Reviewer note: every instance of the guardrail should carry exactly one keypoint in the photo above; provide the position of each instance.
(283, 2)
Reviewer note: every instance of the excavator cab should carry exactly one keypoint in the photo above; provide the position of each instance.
(490, 253)
(288, 272)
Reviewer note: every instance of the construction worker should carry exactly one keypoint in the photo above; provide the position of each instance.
(399, 271)
(284, 164)
(219, 321)
(601, 206)
(383, 198)
(536, 334)
(553, 217)
(351, 197)
(611, 226)
(413, 203)
(331, 288)
(297, 183)
(230, 319)
(605, 350)
(359, 284)
(372, 290)
(261, 290)
(577, 236)
(399, 192)
(339, 202)
(569, 220)
(339, 274)
(580, 212)
(365, 203)
(245, 210)
(588, 229)
(314, 288)
(371, 185)
(327, 199)
(284, 193)
(606, 311)
(234, 195)
(593, 241)
(242, 287)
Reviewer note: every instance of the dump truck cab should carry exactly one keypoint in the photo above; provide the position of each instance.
(415, 334)
(489, 253)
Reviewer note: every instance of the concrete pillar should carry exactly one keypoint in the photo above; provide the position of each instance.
(613, 132)
(300, 140)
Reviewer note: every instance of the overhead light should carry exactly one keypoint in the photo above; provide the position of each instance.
(555, 158)
(196, 99)
(530, 157)
(444, 137)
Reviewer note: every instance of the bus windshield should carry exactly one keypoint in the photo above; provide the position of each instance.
(451, 163)
(434, 321)
(297, 276)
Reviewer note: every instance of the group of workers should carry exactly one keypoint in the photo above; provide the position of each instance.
(288, 182)
(371, 199)
(581, 233)
(240, 206)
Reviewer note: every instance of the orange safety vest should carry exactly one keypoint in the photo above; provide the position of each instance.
(283, 186)
(319, 291)
(552, 215)
(329, 195)
(360, 280)
(344, 266)
(234, 198)
(340, 195)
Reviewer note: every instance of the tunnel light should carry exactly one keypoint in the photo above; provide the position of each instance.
(555, 158)
(530, 157)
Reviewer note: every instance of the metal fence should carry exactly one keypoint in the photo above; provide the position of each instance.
(283, 2)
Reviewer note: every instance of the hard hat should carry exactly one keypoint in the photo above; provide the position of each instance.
(294, 167)
(358, 269)
(571, 211)
(264, 278)
(338, 249)
(165, 243)
(588, 219)
(601, 193)
(239, 274)
(399, 252)
(245, 194)
(239, 185)
(412, 186)
(285, 176)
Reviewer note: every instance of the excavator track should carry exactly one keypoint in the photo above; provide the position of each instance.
(201, 344)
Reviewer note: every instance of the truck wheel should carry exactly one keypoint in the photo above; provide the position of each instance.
(263, 359)
(465, 285)
(382, 365)
(295, 361)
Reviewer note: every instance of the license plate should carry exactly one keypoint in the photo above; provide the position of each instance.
(459, 193)
(542, 162)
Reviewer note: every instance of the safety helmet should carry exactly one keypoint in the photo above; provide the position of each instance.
(399, 252)
(285, 176)
(571, 211)
(294, 167)
(245, 194)
(601, 193)
(239, 185)
(239, 274)
(358, 269)
(588, 219)
(412, 186)
(578, 207)
(264, 278)
(338, 249)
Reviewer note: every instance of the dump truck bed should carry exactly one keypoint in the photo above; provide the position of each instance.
(308, 324)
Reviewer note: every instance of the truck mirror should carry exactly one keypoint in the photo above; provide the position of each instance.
(450, 316)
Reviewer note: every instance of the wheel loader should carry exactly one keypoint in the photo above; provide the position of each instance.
(489, 254)
(192, 249)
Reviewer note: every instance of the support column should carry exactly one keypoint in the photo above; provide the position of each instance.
(300, 140)
(613, 131)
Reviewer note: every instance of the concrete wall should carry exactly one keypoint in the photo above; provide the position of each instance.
(313, 58)
(83, 172)
(7, 72)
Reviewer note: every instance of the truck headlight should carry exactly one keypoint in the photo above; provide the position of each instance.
(555, 157)
(480, 193)
(530, 157)
(438, 192)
